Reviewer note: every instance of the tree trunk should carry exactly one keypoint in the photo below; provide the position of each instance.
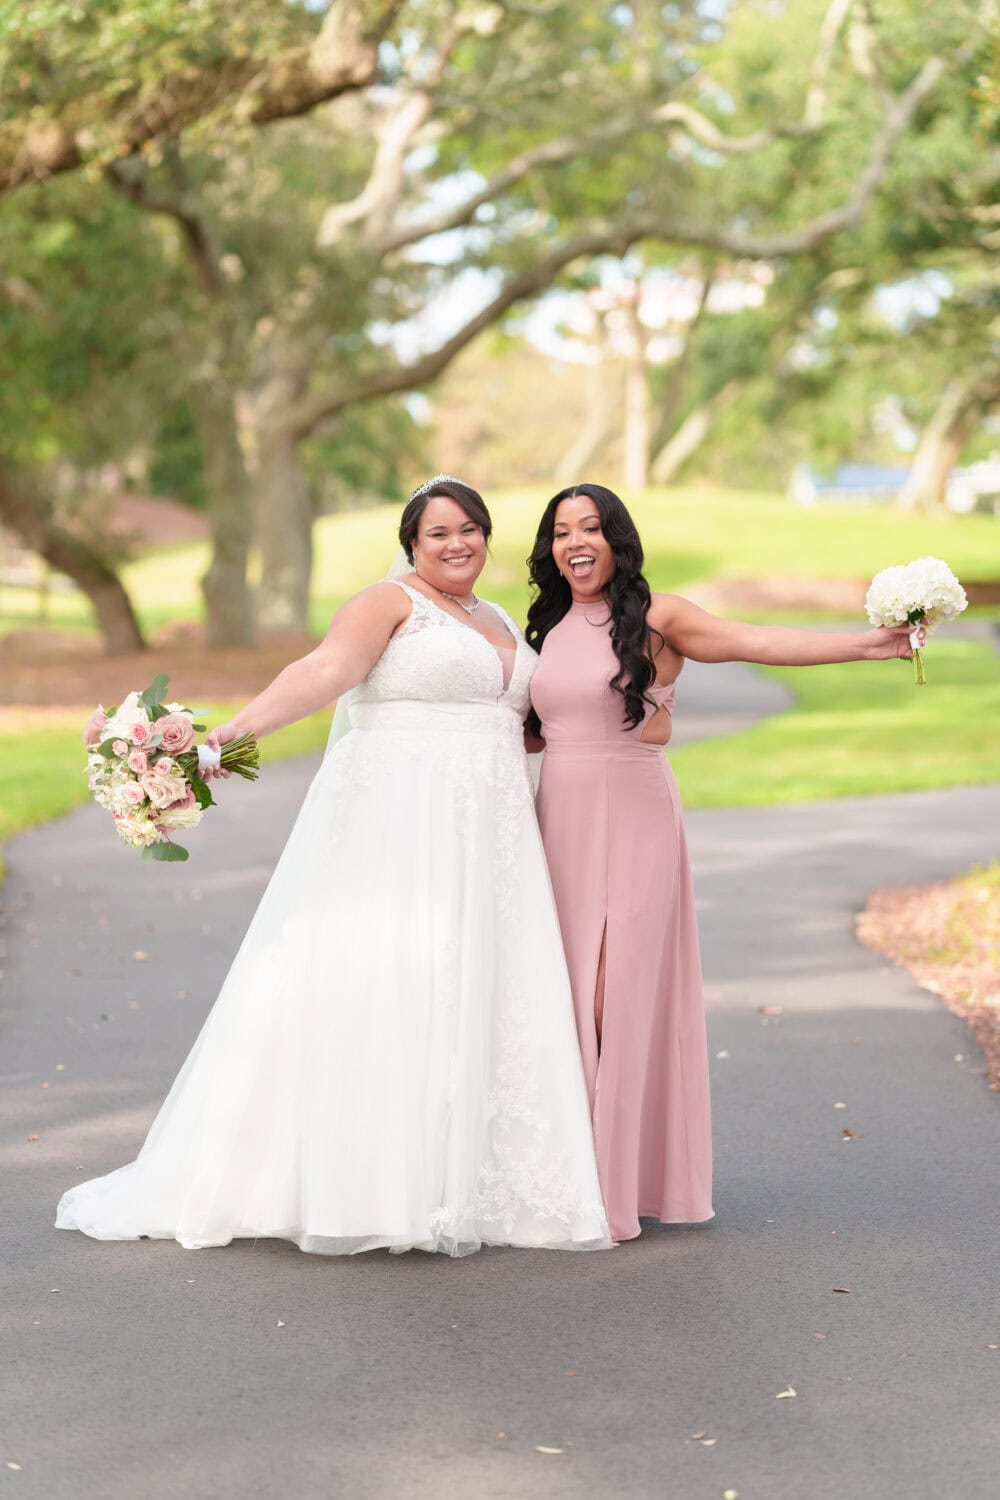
(692, 433)
(673, 395)
(957, 415)
(229, 613)
(283, 509)
(637, 423)
(33, 520)
(573, 466)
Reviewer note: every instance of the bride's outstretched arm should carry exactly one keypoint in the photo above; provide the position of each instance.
(693, 632)
(357, 636)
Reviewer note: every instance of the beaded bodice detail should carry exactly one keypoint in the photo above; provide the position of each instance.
(434, 658)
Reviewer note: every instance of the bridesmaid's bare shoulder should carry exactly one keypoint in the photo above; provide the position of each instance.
(664, 610)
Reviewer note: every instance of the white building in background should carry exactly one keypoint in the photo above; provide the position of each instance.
(976, 487)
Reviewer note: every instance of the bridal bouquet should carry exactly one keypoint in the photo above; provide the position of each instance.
(144, 767)
(925, 592)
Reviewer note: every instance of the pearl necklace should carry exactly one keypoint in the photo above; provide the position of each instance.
(470, 609)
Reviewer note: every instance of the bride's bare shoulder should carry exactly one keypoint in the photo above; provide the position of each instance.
(379, 607)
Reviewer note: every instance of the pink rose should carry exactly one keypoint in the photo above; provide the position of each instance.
(140, 733)
(93, 730)
(138, 762)
(161, 789)
(120, 747)
(176, 733)
(133, 794)
(164, 763)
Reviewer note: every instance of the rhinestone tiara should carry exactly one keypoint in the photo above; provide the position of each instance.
(432, 483)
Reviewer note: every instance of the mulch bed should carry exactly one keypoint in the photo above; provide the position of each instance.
(47, 669)
(948, 936)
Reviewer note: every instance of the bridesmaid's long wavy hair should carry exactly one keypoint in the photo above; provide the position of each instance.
(627, 595)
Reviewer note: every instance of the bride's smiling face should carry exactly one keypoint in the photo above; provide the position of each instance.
(449, 550)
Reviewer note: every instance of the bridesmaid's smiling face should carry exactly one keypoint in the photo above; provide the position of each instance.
(580, 549)
(449, 550)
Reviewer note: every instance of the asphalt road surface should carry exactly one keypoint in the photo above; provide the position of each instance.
(664, 1368)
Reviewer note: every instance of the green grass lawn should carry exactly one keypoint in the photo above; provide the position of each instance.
(43, 763)
(855, 730)
(690, 536)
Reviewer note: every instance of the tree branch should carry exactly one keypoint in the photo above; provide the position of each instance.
(322, 405)
(341, 58)
(380, 196)
(674, 112)
(130, 177)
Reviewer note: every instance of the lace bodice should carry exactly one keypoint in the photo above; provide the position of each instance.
(434, 658)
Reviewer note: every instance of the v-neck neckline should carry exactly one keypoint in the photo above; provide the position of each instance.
(495, 650)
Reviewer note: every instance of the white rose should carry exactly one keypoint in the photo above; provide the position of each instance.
(129, 713)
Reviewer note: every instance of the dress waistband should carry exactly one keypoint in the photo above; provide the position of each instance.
(621, 749)
(411, 716)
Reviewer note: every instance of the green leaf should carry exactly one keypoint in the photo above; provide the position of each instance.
(166, 853)
(107, 749)
(155, 693)
(203, 795)
(198, 728)
(158, 712)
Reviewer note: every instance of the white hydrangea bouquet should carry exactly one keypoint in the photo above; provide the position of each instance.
(144, 767)
(924, 592)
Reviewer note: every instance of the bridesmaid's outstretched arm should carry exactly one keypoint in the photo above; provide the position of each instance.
(358, 634)
(693, 632)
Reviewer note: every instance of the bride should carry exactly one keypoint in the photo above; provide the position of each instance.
(392, 1059)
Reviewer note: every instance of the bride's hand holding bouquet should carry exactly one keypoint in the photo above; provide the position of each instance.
(143, 766)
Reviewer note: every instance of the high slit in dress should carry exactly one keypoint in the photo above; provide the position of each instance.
(610, 816)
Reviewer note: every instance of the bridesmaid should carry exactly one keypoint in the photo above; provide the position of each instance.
(611, 822)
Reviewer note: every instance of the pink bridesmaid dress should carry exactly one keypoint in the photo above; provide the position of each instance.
(610, 816)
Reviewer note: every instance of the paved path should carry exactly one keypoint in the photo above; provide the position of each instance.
(162, 1373)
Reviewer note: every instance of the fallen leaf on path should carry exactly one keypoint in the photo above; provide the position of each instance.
(819, 1335)
(722, 1054)
(17, 1467)
(770, 1010)
(697, 1436)
(280, 1324)
(569, 1372)
(993, 1346)
(32, 1138)
(843, 1289)
(141, 956)
(60, 1067)
(539, 1449)
(840, 1104)
(786, 1394)
(501, 1434)
(730, 1495)
(851, 1135)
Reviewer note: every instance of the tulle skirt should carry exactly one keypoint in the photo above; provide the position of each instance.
(392, 1060)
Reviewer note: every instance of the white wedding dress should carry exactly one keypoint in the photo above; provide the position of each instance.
(392, 1060)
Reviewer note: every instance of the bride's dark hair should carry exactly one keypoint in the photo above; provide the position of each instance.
(627, 595)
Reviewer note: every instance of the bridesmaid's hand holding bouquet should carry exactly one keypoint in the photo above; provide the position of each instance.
(923, 595)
